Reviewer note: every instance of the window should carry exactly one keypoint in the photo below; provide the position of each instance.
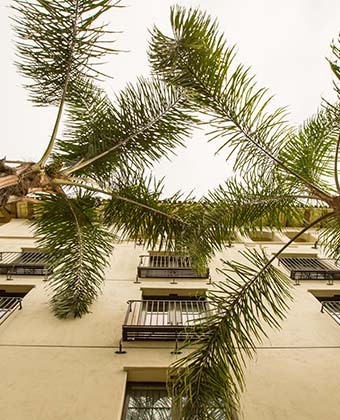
(163, 317)
(147, 401)
(305, 237)
(264, 236)
(150, 401)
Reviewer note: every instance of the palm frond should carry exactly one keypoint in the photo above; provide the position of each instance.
(234, 207)
(335, 64)
(251, 204)
(329, 237)
(145, 123)
(198, 60)
(77, 245)
(311, 150)
(138, 210)
(158, 221)
(241, 206)
(210, 378)
(199, 229)
(58, 41)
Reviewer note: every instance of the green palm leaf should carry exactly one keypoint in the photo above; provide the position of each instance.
(198, 60)
(310, 152)
(329, 237)
(78, 247)
(138, 210)
(250, 204)
(335, 63)
(145, 122)
(58, 42)
(160, 222)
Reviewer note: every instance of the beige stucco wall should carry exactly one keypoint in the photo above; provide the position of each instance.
(52, 369)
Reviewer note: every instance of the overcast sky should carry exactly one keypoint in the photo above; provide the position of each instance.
(285, 43)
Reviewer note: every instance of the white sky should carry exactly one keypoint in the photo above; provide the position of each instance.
(285, 43)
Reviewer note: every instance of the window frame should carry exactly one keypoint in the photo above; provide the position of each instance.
(147, 386)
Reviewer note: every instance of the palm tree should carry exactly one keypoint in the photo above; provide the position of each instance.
(278, 170)
(88, 184)
(89, 176)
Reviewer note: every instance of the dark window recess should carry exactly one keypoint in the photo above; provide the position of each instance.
(311, 268)
(144, 401)
(157, 318)
(321, 299)
(168, 266)
(23, 263)
(4, 293)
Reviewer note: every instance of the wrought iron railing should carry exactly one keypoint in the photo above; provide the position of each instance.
(8, 305)
(163, 319)
(168, 266)
(302, 268)
(332, 307)
(26, 263)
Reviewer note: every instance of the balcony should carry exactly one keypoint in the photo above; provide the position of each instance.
(7, 306)
(24, 263)
(311, 269)
(163, 319)
(168, 266)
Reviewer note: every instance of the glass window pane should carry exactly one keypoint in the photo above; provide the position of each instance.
(147, 401)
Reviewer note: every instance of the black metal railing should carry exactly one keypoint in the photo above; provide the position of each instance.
(8, 305)
(302, 268)
(332, 307)
(26, 263)
(168, 266)
(163, 319)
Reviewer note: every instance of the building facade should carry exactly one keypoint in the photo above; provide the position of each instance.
(111, 364)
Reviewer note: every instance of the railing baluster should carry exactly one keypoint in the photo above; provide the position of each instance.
(172, 312)
(165, 314)
(158, 313)
(152, 311)
(137, 312)
(186, 308)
